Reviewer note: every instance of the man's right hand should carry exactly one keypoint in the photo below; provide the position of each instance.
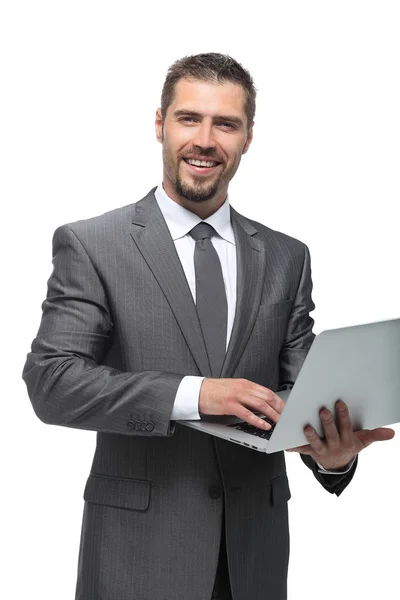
(240, 397)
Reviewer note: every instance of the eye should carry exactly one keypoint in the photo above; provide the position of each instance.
(187, 119)
(228, 125)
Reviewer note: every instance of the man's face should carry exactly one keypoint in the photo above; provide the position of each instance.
(206, 122)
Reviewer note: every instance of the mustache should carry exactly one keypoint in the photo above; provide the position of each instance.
(194, 153)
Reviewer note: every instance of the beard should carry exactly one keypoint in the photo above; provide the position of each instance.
(197, 190)
(196, 193)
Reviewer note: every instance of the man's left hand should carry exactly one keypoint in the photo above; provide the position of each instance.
(341, 443)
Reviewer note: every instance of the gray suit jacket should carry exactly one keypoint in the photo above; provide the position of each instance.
(119, 331)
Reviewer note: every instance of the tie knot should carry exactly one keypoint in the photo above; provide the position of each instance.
(202, 231)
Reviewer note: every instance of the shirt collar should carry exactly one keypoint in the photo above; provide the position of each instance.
(180, 220)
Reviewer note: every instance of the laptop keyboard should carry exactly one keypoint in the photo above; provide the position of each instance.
(247, 428)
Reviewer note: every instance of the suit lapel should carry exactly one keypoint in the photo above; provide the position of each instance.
(152, 237)
(250, 257)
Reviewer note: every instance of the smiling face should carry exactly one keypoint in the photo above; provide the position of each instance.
(204, 135)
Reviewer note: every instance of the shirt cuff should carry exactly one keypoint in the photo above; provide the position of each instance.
(341, 471)
(186, 405)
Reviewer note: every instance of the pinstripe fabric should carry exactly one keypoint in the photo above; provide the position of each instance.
(119, 331)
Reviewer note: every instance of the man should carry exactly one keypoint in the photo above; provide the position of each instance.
(178, 307)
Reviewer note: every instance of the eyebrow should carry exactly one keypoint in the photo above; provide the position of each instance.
(192, 113)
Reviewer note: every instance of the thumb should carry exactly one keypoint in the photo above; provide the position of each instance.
(368, 436)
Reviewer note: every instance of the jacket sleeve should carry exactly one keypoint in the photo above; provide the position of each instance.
(299, 334)
(66, 382)
(294, 350)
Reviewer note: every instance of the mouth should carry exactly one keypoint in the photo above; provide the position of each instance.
(202, 167)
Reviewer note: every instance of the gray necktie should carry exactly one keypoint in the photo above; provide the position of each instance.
(211, 303)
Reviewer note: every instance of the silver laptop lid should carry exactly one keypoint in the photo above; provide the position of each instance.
(359, 365)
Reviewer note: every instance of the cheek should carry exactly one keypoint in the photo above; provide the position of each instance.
(235, 157)
(178, 137)
(232, 150)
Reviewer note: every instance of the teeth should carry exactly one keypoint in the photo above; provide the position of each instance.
(201, 163)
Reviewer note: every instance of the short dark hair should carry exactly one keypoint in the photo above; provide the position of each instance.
(210, 67)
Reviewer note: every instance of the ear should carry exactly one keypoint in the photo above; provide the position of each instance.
(249, 139)
(159, 126)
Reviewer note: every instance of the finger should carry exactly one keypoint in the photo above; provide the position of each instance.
(246, 415)
(384, 433)
(262, 400)
(368, 437)
(344, 422)
(317, 445)
(278, 404)
(268, 396)
(259, 405)
(302, 449)
(330, 429)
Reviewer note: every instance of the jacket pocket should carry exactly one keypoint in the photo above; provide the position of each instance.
(131, 494)
(280, 491)
(274, 311)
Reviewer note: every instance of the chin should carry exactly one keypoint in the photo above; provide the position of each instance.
(195, 193)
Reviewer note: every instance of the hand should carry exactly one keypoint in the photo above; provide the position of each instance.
(340, 445)
(240, 397)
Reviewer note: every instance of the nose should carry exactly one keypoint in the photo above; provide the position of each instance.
(204, 137)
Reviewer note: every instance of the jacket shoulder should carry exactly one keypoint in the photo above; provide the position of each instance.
(105, 220)
(279, 239)
(111, 223)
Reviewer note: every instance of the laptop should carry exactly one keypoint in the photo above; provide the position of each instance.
(359, 365)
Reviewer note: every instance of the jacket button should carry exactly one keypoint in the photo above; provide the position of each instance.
(137, 425)
(130, 425)
(143, 426)
(149, 426)
(215, 491)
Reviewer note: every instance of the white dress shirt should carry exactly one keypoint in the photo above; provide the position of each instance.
(180, 221)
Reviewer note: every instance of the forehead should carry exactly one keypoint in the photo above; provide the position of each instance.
(209, 98)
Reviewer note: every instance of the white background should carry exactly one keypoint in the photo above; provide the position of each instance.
(80, 85)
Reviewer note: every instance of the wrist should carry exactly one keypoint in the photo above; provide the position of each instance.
(339, 469)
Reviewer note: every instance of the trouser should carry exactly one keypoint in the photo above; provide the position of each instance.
(222, 587)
